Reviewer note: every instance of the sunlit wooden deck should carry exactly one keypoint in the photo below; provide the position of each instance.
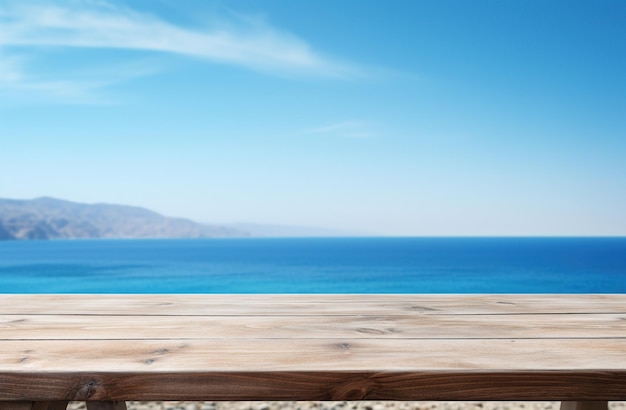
(106, 349)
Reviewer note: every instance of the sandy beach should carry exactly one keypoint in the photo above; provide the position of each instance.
(342, 405)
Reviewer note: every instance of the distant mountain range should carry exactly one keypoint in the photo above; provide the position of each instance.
(50, 218)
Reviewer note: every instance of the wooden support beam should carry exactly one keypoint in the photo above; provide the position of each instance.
(106, 405)
(584, 405)
(16, 405)
(50, 405)
(33, 405)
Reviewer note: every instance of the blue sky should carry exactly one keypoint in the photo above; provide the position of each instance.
(382, 117)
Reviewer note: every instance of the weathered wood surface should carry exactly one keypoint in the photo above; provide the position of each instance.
(49, 327)
(309, 347)
(294, 305)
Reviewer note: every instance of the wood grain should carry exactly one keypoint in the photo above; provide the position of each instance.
(294, 305)
(312, 355)
(49, 327)
(312, 347)
(316, 386)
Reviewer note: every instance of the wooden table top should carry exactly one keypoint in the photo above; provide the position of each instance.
(312, 347)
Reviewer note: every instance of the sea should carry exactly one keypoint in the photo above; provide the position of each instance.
(316, 265)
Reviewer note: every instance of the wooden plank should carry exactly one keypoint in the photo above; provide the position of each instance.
(308, 347)
(229, 386)
(280, 355)
(229, 305)
(48, 327)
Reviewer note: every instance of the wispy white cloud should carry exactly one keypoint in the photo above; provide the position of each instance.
(22, 84)
(349, 129)
(55, 26)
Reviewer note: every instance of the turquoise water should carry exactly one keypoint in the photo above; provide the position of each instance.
(320, 265)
